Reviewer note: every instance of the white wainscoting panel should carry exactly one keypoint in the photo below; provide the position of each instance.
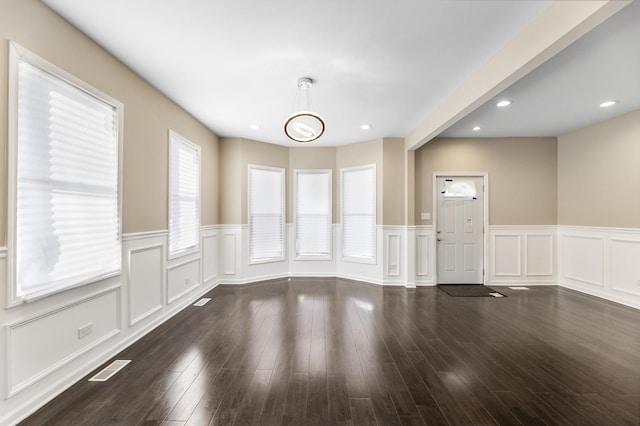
(5, 293)
(145, 281)
(625, 266)
(583, 258)
(409, 257)
(603, 262)
(424, 258)
(422, 255)
(229, 251)
(506, 255)
(40, 350)
(41, 345)
(209, 257)
(538, 255)
(522, 254)
(393, 254)
(182, 278)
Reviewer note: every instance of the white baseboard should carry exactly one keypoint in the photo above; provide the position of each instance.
(612, 297)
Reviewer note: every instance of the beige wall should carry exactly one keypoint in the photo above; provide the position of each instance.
(522, 176)
(313, 158)
(360, 154)
(230, 181)
(599, 174)
(235, 156)
(148, 115)
(393, 174)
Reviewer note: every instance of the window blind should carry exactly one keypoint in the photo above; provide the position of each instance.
(67, 225)
(266, 214)
(184, 195)
(359, 213)
(313, 213)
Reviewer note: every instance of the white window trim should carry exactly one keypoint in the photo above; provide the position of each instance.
(17, 53)
(283, 210)
(196, 248)
(295, 214)
(373, 259)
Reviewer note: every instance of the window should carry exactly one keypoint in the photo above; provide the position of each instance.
(64, 218)
(313, 214)
(359, 214)
(266, 214)
(184, 195)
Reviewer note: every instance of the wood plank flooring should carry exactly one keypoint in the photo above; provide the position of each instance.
(329, 351)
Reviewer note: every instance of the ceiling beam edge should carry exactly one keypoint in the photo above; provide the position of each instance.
(562, 23)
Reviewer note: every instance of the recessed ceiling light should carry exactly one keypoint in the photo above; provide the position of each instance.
(254, 127)
(365, 126)
(503, 103)
(608, 104)
(476, 128)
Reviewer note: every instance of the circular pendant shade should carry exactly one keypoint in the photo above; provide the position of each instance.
(304, 126)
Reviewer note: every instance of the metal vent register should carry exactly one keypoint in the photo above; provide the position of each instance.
(110, 370)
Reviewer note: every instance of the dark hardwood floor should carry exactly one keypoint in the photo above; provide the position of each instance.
(333, 351)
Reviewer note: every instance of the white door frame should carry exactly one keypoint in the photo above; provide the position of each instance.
(485, 224)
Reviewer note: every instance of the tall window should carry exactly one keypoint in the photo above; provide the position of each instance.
(184, 195)
(313, 214)
(64, 161)
(266, 214)
(359, 214)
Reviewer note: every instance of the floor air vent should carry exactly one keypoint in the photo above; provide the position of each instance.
(519, 288)
(202, 301)
(110, 370)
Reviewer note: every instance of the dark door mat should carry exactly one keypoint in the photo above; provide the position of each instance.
(469, 290)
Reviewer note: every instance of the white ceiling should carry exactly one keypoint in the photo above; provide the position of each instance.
(388, 64)
(563, 94)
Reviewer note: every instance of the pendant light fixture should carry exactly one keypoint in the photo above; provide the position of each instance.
(303, 125)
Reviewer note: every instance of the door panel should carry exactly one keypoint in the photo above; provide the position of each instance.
(459, 232)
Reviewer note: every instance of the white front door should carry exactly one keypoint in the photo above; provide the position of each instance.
(459, 229)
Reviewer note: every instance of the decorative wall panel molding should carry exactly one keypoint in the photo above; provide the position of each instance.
(229, 260)
(602, 262)
(182, 278)
(422, 255)
(625, 265)
(39, 346)
(521, 254)
(393, 255)
(209, 258)
(583, 258)
(539, 255)
(424, 259)
(145, 281)
(507, 255)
